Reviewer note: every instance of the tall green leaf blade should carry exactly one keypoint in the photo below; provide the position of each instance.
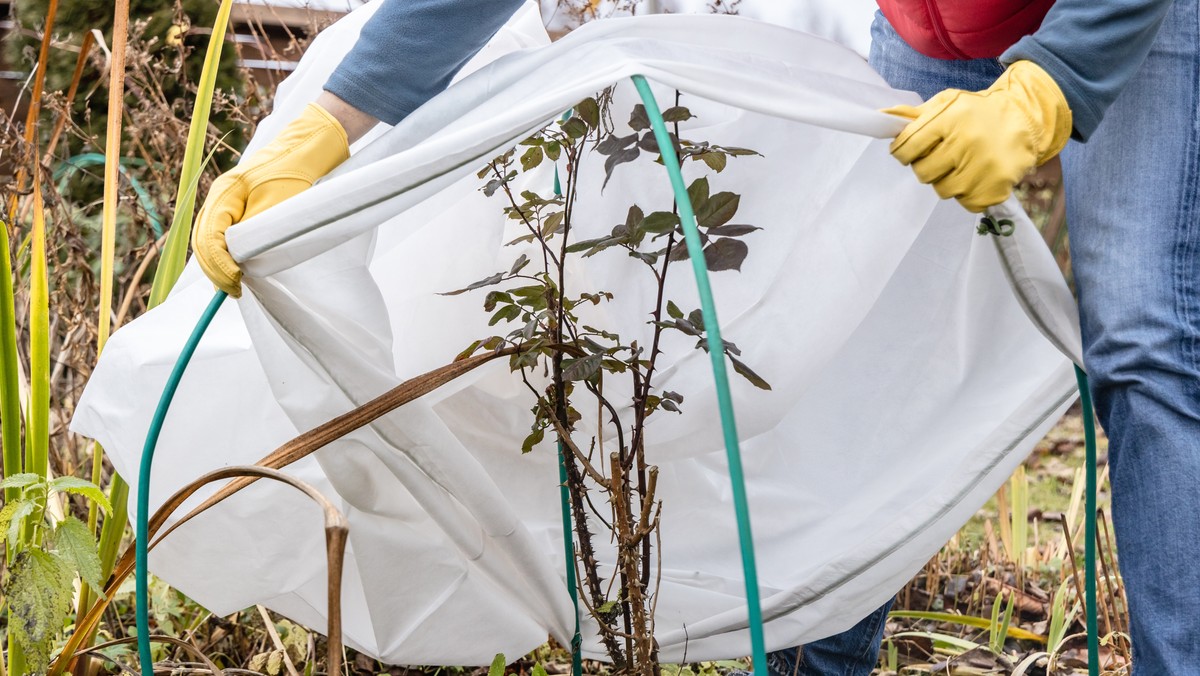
(174, 254)
(37, 435)
(114, 524)
(10, 404)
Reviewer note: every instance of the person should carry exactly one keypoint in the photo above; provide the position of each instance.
(1007, 83)
(1122, 78)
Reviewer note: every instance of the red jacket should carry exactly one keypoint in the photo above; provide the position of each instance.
(964, 29)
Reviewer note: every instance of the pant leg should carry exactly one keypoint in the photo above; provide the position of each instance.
(855, 652)
(1133, 209)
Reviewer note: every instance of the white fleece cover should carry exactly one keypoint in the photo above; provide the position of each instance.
(908, 378)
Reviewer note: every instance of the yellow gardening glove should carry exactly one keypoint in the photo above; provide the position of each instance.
(975, 146)
(307, 149)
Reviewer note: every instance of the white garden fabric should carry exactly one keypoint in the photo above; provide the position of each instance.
(908, 378)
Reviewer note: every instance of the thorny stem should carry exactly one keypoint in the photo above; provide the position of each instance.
(575, 482)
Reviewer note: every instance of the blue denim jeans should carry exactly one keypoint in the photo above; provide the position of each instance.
(854, 652)
(1133, 212)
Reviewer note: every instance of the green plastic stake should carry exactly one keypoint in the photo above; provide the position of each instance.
(1089, 547)
(143, 506)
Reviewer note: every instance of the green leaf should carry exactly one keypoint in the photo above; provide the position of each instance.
(582, 368)
(686, 327)
(677, 114)
(616, 159)
(647, 258)
(506, 313)
(530, 327)
(608, 611)
(533, 439)
(967, 621)
(89, 490)
(575, 128)
(494, 298)
(469, 351)
(631, 231)
(673, 310)
(494, 279)
(518, 264)
(539, 670)
(521, 240)
(747, 373)
(584, 245)
(698, 193)
(498, 664)
(725, 254)
(73, 542)
(733, 230)
(492, 186)
(652, 404)
(531, 158)
(589, 111)
(11, 516)
(716, 161)
(679, 252)
(612, 143)
(649, 142)
(661, 222)
(38, 589)
(553, 150)
(614, 366)
(638, 120)
(718, 209)
(738, 152)
(22, 480)
(552, 224)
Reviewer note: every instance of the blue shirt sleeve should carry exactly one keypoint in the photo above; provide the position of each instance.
(410, 50)
(1092, 48)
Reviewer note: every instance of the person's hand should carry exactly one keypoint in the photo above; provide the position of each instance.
(975, 146)
(307, 149)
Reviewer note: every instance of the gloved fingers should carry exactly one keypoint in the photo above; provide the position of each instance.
(219, 212)
(973, 194)
(988, 195)
(215, 268)
(935, 166)
(924, 133)
(909, 113)
(953, 185)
